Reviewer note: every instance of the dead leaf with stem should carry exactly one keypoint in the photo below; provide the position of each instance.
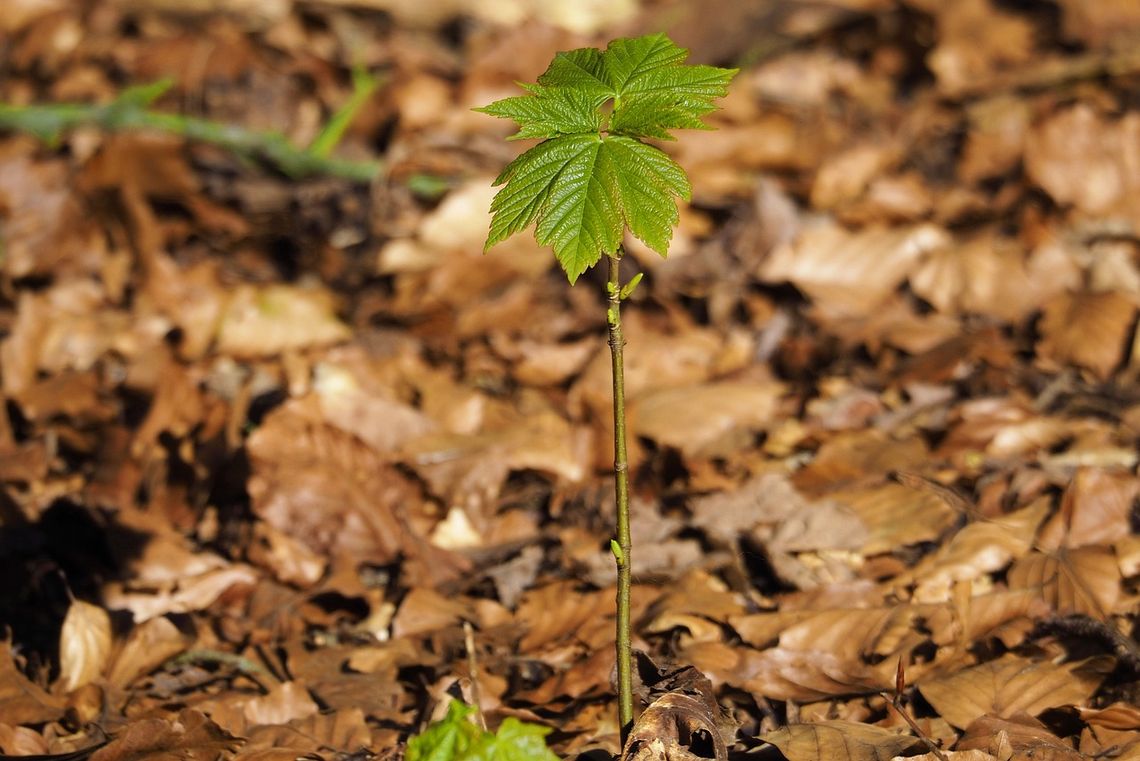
(675, 727)
(1010, 685)
(1084, 580)
(839, 741)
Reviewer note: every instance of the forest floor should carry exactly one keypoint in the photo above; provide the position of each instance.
(286, 461)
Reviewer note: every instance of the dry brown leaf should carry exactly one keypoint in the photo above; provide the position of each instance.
(994, 276)
(190, 594)
(996, 138)
(148, 646)
(385, 658)
(851, 274)
(588, 676)
(655, 358)
(851, 456)
(1022, 738)
(379, 695)
(856, 635)
(192, 298)
(286, 702)
(719, 162)
(166, 557)
(286, 557)
(766, 498)
(1101, 22)
(842, 406)
(1085, 580)
(267, 320)
(84, 645)
(1096, 509)
(580, 17)
(975, 40)
(557, 612)
(45, 229)
(699, 418)
(826, 526)
(806, 77)
(337, 496)
(1082, 159)
(550, 364)
(21, 700)
(1002, 427)
(896, 323)
(804, 675)
(1008, 686)
(669, 725)
(345, 730)
(189, 737)
(839, 741)
(698, 593)
(952, 755)
(425, 610)
(468, 470)
(844, 176)
(374, 415)
(17, 14)
(1005, 614)
(903, 197)
(22, 741)
(896, 515)
(1124, 716)
(979, 548)
(63, 328)
(1087, 329)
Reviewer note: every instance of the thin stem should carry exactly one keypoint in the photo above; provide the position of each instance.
(621, 491)
(131, 111)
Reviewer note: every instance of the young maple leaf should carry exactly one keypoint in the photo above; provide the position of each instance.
(591, 177)
(455, 738)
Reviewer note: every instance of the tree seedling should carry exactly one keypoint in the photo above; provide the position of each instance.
(590, 179)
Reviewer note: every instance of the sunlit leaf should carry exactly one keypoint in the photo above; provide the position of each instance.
(839, 741)
(84, 644)
(592, 178)
(457, 738)
(1008, 686)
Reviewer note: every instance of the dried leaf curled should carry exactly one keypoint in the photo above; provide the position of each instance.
(670, 726)
(84, 645)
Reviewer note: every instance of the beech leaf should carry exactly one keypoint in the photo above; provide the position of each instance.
(84, 644)
(839, 741)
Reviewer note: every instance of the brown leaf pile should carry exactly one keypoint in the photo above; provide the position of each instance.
(268, 445)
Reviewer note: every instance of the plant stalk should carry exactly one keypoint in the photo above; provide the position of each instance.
(621, 492)
(131, 110)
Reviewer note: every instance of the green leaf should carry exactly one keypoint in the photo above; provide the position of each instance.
(515, 741)
(654, 114)
(592, 177)
(583, 70)
(529, 182)
(548, 112)
(449, 739)
(582, 216)
(455, 738)
(648, 181)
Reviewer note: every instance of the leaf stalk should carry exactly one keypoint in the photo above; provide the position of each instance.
(621, 493)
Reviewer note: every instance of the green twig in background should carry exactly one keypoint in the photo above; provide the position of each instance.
(363, 85)
(131, 110)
